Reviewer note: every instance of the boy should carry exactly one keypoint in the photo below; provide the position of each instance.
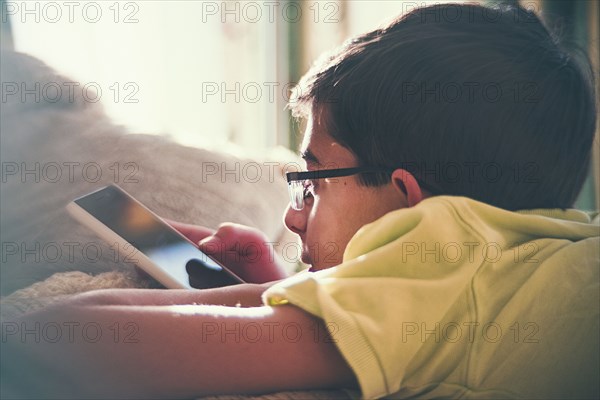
(442, 156)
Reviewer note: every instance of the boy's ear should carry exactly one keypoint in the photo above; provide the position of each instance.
(406, 183)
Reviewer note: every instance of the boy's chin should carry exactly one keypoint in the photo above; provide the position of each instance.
(307, 260)
(315, 268)
(312, 267)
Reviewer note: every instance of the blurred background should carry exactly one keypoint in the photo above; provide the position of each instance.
(214, 73)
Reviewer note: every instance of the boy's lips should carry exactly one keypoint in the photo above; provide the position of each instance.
(305, 255)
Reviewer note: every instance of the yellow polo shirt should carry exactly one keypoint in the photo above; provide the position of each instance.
(456, 298)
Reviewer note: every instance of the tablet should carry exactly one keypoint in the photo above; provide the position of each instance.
(143, 238)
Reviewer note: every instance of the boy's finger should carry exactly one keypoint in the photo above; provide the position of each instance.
(214, 243)
(193, 232)
(215, 247)
(224, 249)
(233, 236)
(232, 233)
(224, 240)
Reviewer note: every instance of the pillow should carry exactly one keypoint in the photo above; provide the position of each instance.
(53, 152)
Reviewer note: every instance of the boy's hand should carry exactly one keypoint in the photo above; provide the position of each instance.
(242, 249)
(195, 233)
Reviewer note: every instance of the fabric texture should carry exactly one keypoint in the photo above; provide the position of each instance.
(455, 298)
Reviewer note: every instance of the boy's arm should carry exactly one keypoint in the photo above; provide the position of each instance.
(244, 295)
(180, 351)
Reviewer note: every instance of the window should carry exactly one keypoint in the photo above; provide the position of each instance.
(202, 72)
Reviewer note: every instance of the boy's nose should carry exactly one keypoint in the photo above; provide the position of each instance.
(295, 220)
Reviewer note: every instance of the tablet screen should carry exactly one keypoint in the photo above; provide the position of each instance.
(165, 247)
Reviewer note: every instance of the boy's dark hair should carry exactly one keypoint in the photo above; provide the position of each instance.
(474, 101)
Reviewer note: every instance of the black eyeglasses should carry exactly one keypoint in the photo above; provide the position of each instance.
(300, 184)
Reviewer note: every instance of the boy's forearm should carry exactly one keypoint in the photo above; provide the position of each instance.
(182, 351)
(243, 295)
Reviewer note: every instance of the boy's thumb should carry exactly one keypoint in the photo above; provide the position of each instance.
(209, 243)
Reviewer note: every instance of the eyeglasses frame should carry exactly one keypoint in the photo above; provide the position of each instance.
(341, 172)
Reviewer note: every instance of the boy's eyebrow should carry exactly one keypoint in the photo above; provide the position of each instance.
(309, 157)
